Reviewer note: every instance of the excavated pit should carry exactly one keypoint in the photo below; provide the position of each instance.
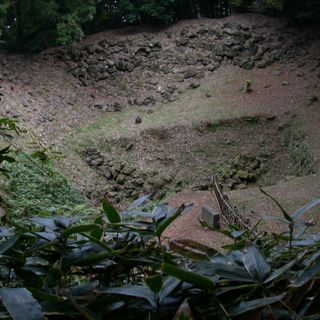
(244, 152)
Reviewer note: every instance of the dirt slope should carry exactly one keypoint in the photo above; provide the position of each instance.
(185, 83)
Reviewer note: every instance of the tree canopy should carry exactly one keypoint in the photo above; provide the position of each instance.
(32, 25)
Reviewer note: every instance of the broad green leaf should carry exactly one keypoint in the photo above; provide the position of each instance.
(89, 259)
(48, 236)
(284, 213)
(21, 304)
(36, 261)
(80, 229)
(86, 313)
(306, 242)
(238, 233)
(64, 222)
(307, 275)
(306, 308)
(139, 202)
(161, 212)
(184, 312)
(5, 246)
(5, 150)
(254, 305)
(154, 283)
(225, 290)
(235, 246)
(255, 263)
(165, 224)
(46, 222)
(98, 233)
(307, 262)
(111, 212)
(7, 158)
(231, 272)
(44, 296)
(196, 279)
(40, 154)
(137, 291)
(98, 242)
(6, 232)
(39, 271)
(277, 219)
(297, 214)
(170, 284)
(84, 288)
(279, 272)
(313, 317)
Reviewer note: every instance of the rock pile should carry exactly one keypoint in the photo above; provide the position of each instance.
(124, 182)
(241, 171)
(142, 69)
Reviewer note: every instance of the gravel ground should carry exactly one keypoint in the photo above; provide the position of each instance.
(292, 195)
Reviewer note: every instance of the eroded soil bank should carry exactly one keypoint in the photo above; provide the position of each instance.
(244, 152)
(160, 110)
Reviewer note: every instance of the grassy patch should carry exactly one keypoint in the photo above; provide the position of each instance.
(190, 107)
(35, 188)
(300, 156)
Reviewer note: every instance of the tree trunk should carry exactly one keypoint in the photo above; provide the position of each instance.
(19, 25)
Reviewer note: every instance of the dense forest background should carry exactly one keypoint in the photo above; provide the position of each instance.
(32, 25)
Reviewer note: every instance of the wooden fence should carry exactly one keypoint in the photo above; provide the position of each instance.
(226, 210)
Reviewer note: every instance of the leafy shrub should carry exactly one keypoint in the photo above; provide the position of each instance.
(34, 188)
(114, 265)
(275, 4)
(7, 127)
(241, 4)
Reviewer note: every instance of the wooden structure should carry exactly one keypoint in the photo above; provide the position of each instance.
(226, 210)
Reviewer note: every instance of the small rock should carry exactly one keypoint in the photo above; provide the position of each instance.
(247, 64)
(139, 182)
(121, 179)
(247, 87)
(121, 65)
(183, 41)
(108, 175)
(242, 174)
(300, 74)
(129, 146)
(261, 64)
(159, 195)
(135, 194)
(112, 194)
(118, 167)
(313, 99)
(195, 85)
(242, 186)
(114, 174)
(97, 163)
(157, 182)
(117, 107)
(138, 120)
(190, 73)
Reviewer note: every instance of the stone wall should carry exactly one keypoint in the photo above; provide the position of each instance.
(142, 69)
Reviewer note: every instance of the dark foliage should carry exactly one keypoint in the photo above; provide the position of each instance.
(63, 22)
(296, 10)
(114, 265)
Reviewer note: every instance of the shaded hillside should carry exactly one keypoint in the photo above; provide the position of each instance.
(183, 82)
